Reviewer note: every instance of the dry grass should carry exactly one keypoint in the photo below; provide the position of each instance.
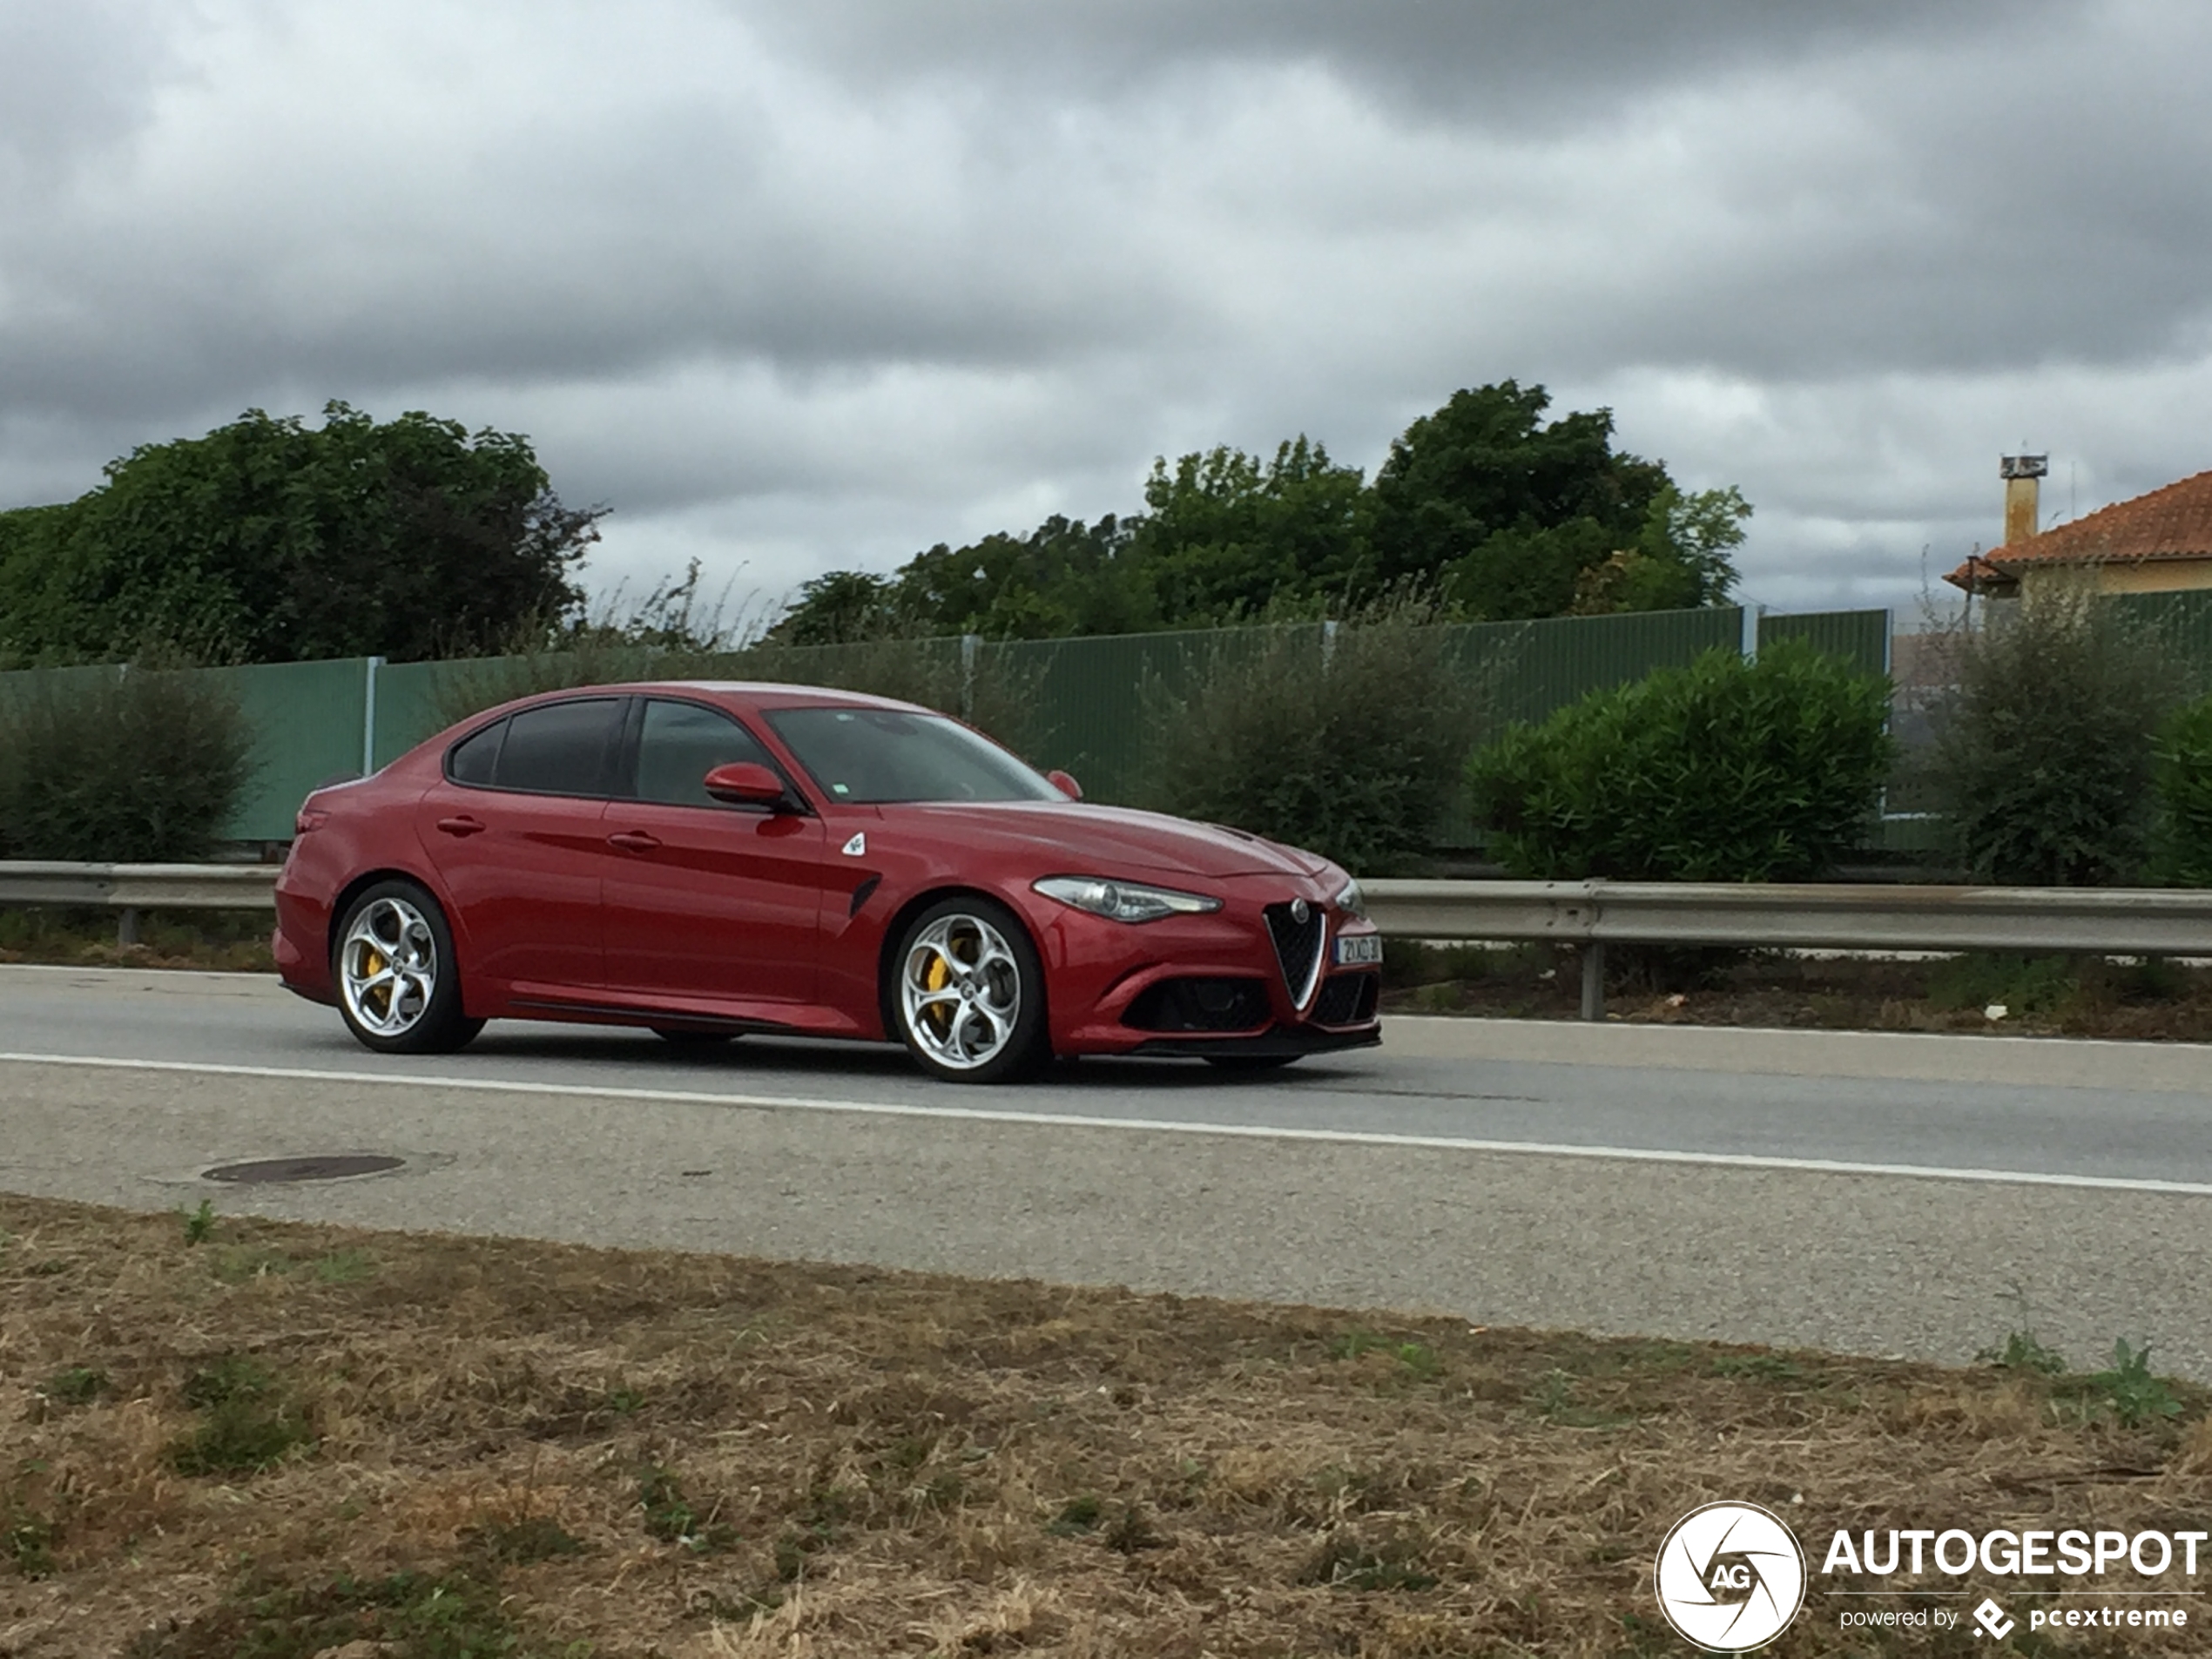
(503, 1447)
(231, 941)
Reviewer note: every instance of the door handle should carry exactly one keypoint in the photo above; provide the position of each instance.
(462, 825)
(633, 840)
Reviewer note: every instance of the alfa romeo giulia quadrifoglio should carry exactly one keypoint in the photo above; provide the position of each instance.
(708, 860)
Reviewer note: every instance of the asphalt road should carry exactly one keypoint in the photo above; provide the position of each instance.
(1878, 1194)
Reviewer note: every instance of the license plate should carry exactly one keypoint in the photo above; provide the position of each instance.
(1358, 948)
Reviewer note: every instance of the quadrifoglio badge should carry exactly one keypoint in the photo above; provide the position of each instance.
(1732, 1576)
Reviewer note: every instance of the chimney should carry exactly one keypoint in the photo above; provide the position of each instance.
(2022, 519)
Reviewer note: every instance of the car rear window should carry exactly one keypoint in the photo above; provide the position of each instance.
(871, 756)
(558, 749)
(471, 760)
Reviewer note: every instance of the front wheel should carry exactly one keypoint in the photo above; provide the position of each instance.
(399, 990)
(968, 993)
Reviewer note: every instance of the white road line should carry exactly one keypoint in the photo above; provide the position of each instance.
(1146, 1125)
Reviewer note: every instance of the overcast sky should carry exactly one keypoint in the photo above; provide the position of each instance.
(792, 285)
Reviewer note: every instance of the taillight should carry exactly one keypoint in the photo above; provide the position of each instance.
(310, 818)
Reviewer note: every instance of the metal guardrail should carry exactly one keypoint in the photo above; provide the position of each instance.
(1591, 914)
(1587, 914)
(133, 887)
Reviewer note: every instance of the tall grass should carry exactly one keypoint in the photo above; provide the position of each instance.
(128, 764)
(1350, 747)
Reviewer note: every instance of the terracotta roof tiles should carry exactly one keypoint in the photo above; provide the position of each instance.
(2175, 523)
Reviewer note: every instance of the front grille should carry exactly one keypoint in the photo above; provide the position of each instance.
(1348, 999)
(1297, 947)
(1199, 1005)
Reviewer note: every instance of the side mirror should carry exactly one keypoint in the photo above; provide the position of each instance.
(747, 783)
(1066, 785)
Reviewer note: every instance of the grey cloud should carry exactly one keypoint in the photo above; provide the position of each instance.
(1517, 61)
(825, 282)
(74, 76)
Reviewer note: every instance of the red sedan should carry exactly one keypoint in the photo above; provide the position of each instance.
(713, 859)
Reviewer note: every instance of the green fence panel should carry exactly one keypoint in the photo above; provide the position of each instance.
(1530, 669)
(1863, 637)
(309, 721)
(1090, 701)
(1083, 703)
(417, 700)
(53, 682)
(915, 671)
(2180, 627)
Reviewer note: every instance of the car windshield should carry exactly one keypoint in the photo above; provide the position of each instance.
(870, 756)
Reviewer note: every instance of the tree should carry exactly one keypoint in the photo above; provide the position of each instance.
(1064, 577)
(1680, 560)
(1482, 504)
(269, 540)
(1229, 537)
(1504, 511)
(832, 610)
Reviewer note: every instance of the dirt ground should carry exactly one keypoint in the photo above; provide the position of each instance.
(229, 1437)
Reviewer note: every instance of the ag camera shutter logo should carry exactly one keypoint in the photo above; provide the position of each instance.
(1730, 1577)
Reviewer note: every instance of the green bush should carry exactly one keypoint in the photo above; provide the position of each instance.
(1724, 771)
(2182, 770)
(124, 765)
(2043, 756)
(1356, 759)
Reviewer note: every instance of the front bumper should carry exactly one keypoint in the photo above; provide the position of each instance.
(1283, 1042)
(1108, 979)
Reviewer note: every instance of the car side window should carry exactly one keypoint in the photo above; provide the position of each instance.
(471, 760)
(558, 749)
(680, 743)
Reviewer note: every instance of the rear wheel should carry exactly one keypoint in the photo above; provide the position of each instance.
(399, 990)
(968, 994)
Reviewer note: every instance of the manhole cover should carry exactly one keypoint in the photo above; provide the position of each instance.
(329, 1169)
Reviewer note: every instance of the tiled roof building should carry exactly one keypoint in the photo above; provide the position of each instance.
(2154, 543)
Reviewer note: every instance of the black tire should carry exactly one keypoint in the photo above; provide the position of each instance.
(1253, 1062)
(413, 1021)
(677, 1036)
(1007, 1006)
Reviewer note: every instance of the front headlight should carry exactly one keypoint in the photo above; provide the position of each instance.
(1352, 901)
(1123, 900)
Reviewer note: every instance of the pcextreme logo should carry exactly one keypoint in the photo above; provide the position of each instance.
(1730, 1577)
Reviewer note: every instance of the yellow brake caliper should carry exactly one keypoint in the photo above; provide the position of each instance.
(936, 980)
(372, 968)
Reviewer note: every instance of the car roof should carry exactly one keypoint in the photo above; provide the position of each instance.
(765, 694)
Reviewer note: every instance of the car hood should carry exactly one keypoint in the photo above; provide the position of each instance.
(1075, 837)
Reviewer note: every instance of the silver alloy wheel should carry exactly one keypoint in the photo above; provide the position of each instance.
(387, 969)
(961, 988)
